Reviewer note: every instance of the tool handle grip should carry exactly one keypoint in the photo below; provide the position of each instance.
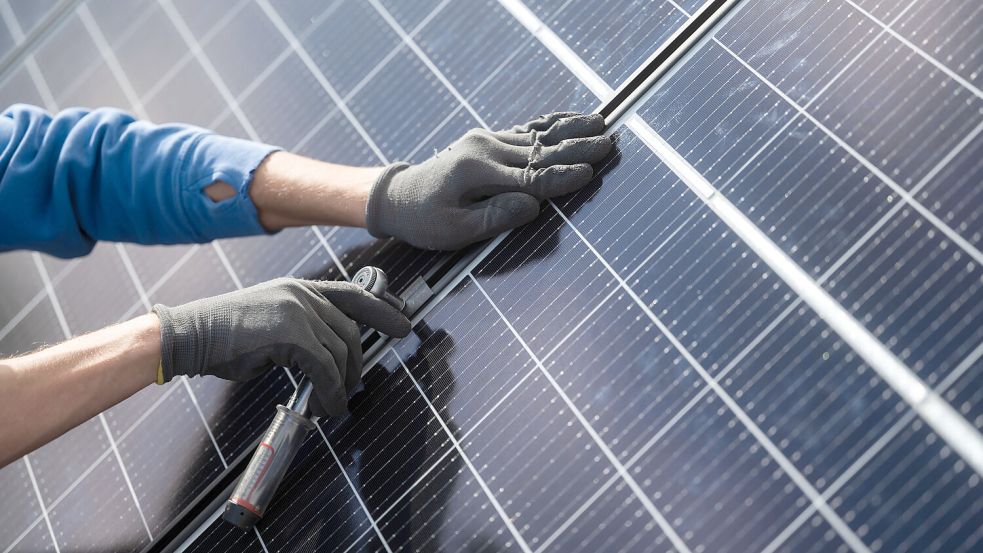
(260, 480)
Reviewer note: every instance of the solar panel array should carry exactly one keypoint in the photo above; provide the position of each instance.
(757, 329)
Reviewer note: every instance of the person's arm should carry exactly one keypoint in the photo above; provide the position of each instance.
(483, 184)
(310, 325)
(48, 392)
(71, 179)
(291, 190)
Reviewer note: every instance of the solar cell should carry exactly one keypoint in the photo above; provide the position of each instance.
(634, 371)
(21, 511)
(29, 13)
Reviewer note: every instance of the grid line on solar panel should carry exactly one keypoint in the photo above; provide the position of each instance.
(839, 262)
(406, 39)
(68, 489)
(44, 509)
(446, 83)
(815, 96)
(351, 485)
(469, 397)
(789, 468)
(904, 194)
(612, 458)
(389, 443)
(829, 493)
(193, 44)
(481, 482)
(949, 156)
(951, 420)
(315, 505)
(305, 57)
(819, 94)
(921, 52)
(188, 57)
(36, 300)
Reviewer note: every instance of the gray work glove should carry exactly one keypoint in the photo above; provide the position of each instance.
(306, 324)
(486, 182)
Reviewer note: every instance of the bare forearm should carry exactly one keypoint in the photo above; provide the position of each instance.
(291, 190)
(46, 393)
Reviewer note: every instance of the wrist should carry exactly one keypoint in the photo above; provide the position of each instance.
(148, 345)
(378, 199)
(290, 190)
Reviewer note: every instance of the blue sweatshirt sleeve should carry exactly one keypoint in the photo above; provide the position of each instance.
(71, 179)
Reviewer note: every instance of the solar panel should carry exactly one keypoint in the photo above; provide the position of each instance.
(757, 329)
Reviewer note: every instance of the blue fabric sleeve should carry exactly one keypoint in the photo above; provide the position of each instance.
(71, 179)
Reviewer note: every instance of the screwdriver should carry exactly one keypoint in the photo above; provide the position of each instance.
(276, 450)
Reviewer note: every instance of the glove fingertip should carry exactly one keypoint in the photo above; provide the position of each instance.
(394, 323)
(401, 328)
(604, 145)
(582, 172)
(595, 123)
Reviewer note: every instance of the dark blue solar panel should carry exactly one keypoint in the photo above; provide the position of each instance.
(524, 275)
(352, 30)
(217, 537)
(723, 492)
(614, 38)
(396, 122)
(111, 521)
(626, 373)
(20, 507)
(468, 54)
(317, 508)
(915, 480)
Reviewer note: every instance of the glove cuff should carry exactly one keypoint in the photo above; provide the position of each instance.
(176, 344)
(375, 208)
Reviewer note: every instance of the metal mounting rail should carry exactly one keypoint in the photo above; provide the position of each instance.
(671, 51)
(54, 18)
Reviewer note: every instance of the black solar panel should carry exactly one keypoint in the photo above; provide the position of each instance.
(723, 343)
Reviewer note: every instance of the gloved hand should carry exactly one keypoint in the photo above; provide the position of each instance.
(486, 182)
(306, 324)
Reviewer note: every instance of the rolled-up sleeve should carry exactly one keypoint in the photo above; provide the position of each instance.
(80, 176)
